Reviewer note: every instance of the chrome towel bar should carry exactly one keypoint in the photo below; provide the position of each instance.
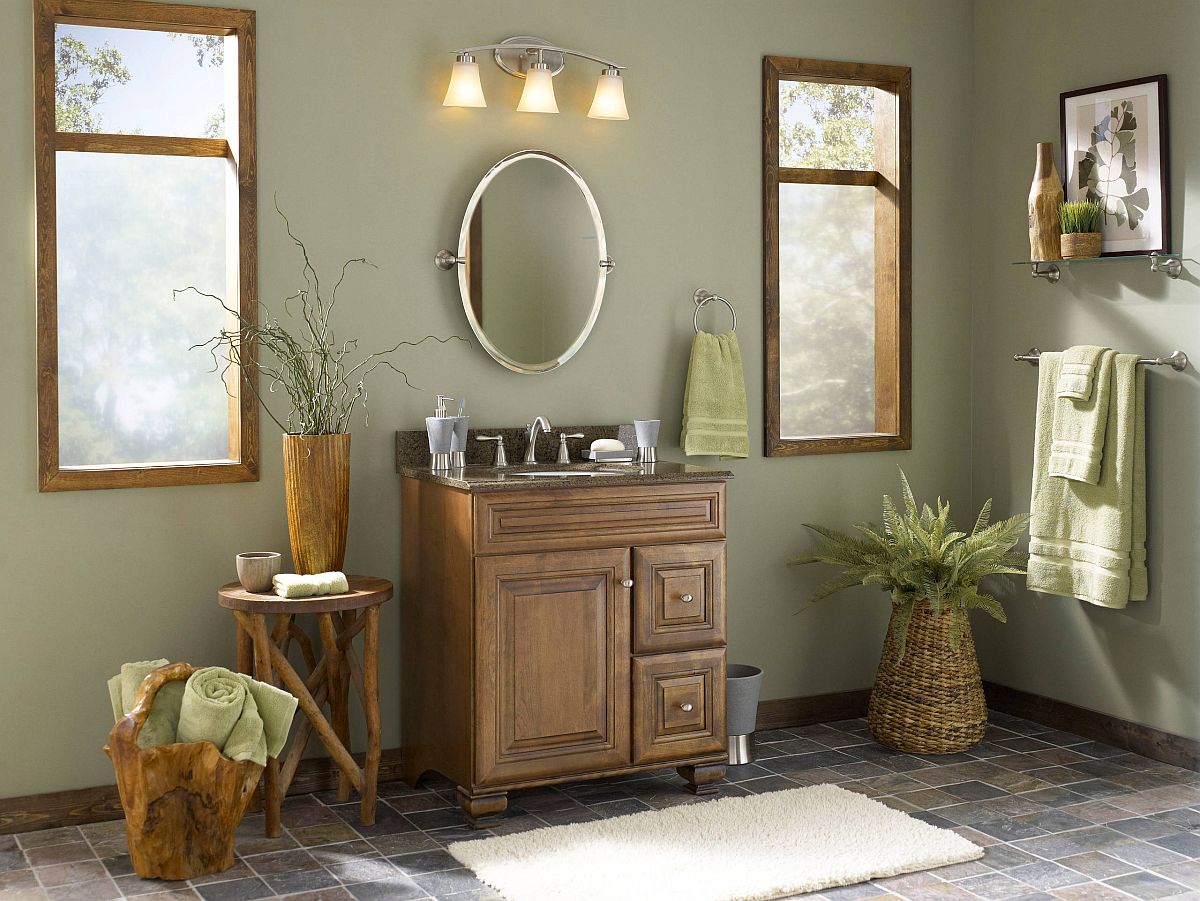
(1177, 359)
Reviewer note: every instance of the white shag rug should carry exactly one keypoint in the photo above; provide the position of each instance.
(734, 849)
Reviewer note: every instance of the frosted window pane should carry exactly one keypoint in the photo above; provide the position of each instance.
(826, 310)
(130, 229)
(826, 126)
(130, 81)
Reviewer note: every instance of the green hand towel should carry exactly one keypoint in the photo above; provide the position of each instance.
(714, 401)
(1077, 445)
(245, 719)
(161, 724)
(1089, 541)
(1079, 374)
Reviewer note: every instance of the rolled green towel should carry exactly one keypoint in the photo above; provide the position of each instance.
(245, 719)
(290, 585)
(161, 724)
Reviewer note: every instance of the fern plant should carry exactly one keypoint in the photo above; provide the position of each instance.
(919, 555)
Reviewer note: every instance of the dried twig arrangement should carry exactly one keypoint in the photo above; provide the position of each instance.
(316, 371)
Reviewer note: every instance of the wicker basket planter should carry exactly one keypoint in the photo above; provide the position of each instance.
(930, 701)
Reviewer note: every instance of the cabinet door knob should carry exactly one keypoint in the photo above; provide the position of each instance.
(686, 598)
(627, 583)
(686, 708)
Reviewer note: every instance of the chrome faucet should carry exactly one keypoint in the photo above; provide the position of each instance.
(531, 438)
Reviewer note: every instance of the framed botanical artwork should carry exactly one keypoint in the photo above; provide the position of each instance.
(1114, 141)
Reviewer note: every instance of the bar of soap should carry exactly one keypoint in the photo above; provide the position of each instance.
(607, 444)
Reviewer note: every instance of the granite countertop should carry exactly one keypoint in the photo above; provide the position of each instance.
(484, 477)
(412, 459)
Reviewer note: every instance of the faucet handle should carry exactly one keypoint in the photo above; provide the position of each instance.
(564, 456)
(501, 457)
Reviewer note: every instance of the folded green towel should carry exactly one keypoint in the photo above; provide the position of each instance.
(246, 719)
(1077, 443)
(290, 585)
(163, 720)
(1079, 371)
(1089, 541)
(714, 401)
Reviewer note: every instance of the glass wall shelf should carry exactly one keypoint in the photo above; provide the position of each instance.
(1169, 264)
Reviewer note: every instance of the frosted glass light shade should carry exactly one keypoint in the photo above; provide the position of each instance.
(538, 95)
(465, 89)
(609, 102)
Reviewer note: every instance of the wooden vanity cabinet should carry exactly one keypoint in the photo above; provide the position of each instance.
(556, 634)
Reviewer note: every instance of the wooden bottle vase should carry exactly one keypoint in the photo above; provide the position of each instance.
(1045, 197)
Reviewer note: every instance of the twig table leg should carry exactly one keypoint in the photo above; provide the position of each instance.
(338, 714)
(245, 664)
(262, 672)
(371, 710)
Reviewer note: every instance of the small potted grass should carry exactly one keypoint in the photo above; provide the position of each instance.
(1080, 229)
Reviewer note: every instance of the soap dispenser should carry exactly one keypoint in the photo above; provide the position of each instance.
(440, 429)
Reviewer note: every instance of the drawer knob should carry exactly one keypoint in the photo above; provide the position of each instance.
(627, 583)
(686, 708)
(686, 598)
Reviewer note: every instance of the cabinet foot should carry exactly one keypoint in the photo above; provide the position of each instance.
(484, 810)
(702, 779)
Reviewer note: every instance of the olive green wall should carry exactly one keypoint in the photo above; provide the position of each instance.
(1141, 663)
(354, 141)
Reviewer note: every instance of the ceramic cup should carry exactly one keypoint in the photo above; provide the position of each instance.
(647, 439)
(256, 569)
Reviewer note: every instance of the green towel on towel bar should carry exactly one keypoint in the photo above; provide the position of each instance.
(714, 401)
(1089, 541)
(163, 721)
(245, 719)
(1079, 374)
(1077, 444)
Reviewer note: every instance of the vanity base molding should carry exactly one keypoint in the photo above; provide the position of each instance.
(553, 635)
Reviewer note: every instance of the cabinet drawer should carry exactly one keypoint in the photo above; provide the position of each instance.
(575, 518)
(678, 597)
(678, 705)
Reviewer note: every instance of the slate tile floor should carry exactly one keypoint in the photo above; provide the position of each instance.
(1061, 817)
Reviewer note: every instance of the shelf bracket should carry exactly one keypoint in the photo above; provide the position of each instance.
(1051, 273)
(1171, 267)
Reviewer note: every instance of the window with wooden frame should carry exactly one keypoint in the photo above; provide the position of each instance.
(836, 256)
(145, 168)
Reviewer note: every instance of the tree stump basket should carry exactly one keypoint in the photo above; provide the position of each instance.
(931, 701)
(182, 801)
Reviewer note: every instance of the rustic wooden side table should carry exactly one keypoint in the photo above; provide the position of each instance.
(264, 651)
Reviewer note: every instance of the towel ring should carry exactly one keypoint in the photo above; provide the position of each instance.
(702, 297)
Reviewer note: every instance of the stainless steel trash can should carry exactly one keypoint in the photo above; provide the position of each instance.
(742, 686)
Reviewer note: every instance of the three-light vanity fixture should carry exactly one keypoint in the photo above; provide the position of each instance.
(537, 61)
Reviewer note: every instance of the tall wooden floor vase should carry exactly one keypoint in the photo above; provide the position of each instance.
(931, 701)
(182, 801)
(316, 478)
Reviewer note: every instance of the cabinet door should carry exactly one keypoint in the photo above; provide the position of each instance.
(678, 597)
(678, 705)
(552, 664)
